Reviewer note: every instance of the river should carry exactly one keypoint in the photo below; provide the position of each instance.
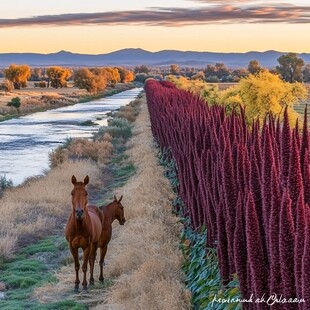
(25, 142)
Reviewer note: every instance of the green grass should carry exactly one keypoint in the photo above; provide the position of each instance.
(8, 116)
(33, 305)
(31, 268)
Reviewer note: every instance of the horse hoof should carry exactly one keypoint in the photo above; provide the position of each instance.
(101, 280)
(85, 289)
(91, 283)
(76, 290)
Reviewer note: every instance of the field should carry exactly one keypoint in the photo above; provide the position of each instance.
(248, 187)
(300, 107)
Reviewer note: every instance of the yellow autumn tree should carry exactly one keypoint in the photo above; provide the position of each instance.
(90, 79)
(208, 91)
(263, 93)
(111, 75)
(126, 76)
(18, 75)
(231, 98)
(58, 76)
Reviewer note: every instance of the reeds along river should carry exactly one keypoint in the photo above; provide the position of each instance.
(26, 141)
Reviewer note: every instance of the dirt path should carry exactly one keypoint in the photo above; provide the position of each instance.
(143, 262)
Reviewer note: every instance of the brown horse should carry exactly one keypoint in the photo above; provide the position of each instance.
(112, 211)
(83, 230)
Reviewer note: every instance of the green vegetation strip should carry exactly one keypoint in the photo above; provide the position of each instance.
(32, 268)
(200, 264)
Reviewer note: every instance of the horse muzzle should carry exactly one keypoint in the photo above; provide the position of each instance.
(79, 213)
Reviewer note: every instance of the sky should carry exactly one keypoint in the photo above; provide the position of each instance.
(99, 26)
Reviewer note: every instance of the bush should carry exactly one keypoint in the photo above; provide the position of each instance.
(129, 112)
(15, 102)
(41, 84)
(4, 184)
(7, 86)
(57, 157)
(118, 122)
(95, 150)
(114, 132)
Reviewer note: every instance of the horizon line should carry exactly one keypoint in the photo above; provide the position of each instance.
(157, 51)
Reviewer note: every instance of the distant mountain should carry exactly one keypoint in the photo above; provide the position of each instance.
(133, 57)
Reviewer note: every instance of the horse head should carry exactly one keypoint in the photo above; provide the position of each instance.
(119, 211)
(79, 197)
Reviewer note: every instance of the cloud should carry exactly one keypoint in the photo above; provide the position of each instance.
(227, 12)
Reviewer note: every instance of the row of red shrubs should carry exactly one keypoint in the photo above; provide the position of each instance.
(249, 186)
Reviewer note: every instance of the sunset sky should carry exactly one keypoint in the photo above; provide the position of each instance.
(98, 26)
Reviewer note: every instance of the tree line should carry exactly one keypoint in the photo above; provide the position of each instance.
(290, 68)
(91, 79)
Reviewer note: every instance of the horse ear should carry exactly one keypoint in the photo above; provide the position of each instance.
(86, 180)
(73, 180)
(120, 199)
(115, 199)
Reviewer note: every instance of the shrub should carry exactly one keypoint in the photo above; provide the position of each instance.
(126, 112)
(15, 102)
(7, 86)
(95, 150)
(4, 184)
(57, 157)
(117, 128)
(129, 112)
(41, 84)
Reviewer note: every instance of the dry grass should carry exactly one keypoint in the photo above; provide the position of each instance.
(96, 150)
(39, 206)
(79, 148)
(144, 255)
(34, 99)
(143, 260)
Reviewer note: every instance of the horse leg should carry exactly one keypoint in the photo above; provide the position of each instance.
(75, 254)
(86, 253)
(92, 259)
(103, 252)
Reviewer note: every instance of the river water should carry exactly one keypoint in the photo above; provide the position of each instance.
(25, 142)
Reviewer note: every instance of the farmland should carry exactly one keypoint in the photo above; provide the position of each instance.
(247, 186)
(300, 107)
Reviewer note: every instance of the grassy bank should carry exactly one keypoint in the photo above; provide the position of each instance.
(33, 218)
(38, 100)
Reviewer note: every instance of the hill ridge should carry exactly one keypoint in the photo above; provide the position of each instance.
(137, 56)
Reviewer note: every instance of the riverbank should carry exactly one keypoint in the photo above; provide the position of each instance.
(34, 215)
(42, 99)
